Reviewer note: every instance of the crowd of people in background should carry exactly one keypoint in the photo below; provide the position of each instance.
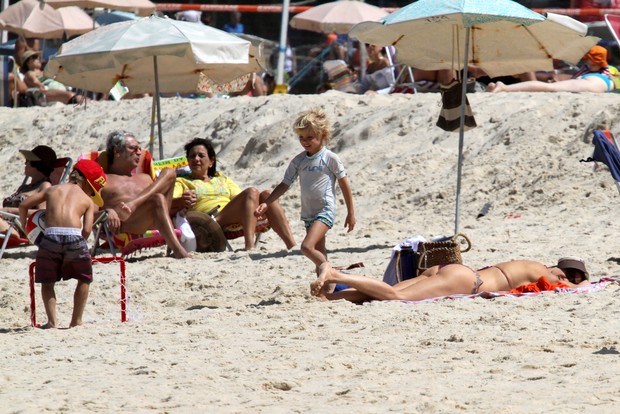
(337, 63)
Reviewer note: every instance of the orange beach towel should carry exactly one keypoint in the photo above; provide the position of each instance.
(540, 285)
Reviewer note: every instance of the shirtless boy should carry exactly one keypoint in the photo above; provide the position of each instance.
(63, 252)
(439, 281)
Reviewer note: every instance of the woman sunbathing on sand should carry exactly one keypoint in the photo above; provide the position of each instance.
(593, 77)
(441, 281)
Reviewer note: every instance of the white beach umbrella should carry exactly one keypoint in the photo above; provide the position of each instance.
(501, 37)
(153, 55)
(338, 16)
(32, 19)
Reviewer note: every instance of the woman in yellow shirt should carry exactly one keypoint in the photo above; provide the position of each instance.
(207, 189)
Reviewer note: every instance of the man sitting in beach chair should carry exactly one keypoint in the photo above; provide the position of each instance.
(133, 201)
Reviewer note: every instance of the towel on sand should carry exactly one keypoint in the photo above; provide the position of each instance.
(540, 285)
(591, 288)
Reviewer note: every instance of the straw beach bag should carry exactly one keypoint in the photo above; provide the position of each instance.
(442, 252)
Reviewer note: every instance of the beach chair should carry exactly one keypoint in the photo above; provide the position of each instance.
(7, 66)
(606, 151)
(613, 23)
(59, 175)
(123, 294)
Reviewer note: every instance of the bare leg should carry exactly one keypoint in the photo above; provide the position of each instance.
(49, 301)
(313, 245)
(452, 279)
(445, 76)
(241, 210)
(155, 214)
(4, 226)
(590, 84)
(164, 184)
(374, 288)
(59, 96)
(79, 303)
(278, 221)
(356, 296)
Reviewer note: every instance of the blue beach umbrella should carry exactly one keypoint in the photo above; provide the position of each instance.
(501, 37)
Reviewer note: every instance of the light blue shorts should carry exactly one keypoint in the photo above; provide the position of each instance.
(328, 221)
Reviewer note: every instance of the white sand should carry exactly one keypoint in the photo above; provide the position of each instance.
(237, 332)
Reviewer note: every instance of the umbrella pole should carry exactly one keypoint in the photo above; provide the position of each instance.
(461, 133)
(161, 141)
(152, 137)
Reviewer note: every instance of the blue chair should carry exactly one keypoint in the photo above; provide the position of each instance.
(606, 151)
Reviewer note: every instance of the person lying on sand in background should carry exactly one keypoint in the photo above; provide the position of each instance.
(63, 252)
(135, 203)
(594, 76)
(318, 169)
(444, 280)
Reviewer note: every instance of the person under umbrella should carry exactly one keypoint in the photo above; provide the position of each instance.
(594, 76)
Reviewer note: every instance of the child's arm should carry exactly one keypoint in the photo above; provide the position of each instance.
(33, 200)
(348, 199)
(275, 194)
(89, 218)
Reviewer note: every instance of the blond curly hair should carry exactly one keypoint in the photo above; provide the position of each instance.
(315, 119)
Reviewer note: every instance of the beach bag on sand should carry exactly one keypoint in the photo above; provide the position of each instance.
(442, 252)
(406, 262)
(403, 266)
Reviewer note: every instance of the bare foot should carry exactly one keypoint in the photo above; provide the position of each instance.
(48, 326)
(181, 255)
(317, 287)
(76, 323)
(495, 87)
(124, 211)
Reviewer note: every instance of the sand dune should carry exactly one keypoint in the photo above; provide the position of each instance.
(239, 332)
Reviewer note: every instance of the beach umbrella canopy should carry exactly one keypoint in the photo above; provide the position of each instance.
(114, 16)
(153, 55)
(139, 7)
(76, 21)
(501, 37)
(33, 19)
(338, 16)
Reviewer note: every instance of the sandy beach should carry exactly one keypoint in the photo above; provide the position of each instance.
(239, 332)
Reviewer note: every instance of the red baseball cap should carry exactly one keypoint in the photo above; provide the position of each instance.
(95, 176)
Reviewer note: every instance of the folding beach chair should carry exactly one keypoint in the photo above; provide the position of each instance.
(606, 151)
(613, 23)
(59, 175)
(7, 66)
